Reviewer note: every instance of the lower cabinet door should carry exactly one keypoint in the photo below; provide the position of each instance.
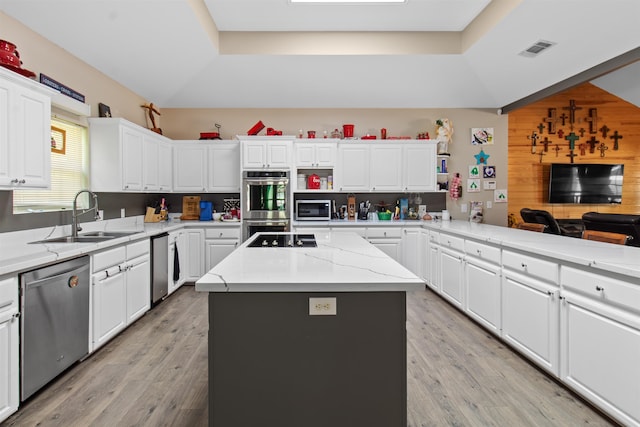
(391, 247)
(138, 288)
(482, 300)
(451, 268)
(9, 354)
(530, 318)
(109, 308)
(600, 348)
(217, 250)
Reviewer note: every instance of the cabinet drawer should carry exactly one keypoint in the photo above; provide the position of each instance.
(623, 293)
(359, 231)
(434, 237)
(531, 266)
(448, 241)
(384, 232)
(482, 251)
(138, 249)
(222, 233)
(8, 294)
(109, 258)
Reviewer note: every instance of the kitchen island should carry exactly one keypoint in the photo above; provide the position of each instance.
(312, 336)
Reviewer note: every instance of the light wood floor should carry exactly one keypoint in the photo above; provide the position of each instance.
(155, 374)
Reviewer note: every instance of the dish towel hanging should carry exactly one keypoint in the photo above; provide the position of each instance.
(176, 264)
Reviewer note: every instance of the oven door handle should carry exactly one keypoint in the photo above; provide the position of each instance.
(266, 181)
(266, 222)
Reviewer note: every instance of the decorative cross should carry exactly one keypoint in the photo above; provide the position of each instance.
(557, 148)
(541, 153)
(541, 127)
(583, 149)
(572, 111)
(561, 134)
(582, 131)
(571, 155)
(593, 120)
(563, 117)
(572, 138)
(551, 120)
(546, 141)
(604, 129)
(533, 137)
(615, 138)
(592, 144)
(602, 149)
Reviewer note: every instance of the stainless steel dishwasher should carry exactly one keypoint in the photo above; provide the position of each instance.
(54, 321)
(159, 267)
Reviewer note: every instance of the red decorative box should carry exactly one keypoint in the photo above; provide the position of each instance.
(256, 128)
(313, 182)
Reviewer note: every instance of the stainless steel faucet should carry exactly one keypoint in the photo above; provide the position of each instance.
(74, 224)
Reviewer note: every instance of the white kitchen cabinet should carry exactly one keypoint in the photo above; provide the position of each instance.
(157, 165)
(177, 247)
(387, 239)
(385, 173)
(530, 310)
(9, 347)
(189, 167)
(419, 167)
(194, 268)
(452, 269)
(165, 163)
(266, 154)
(224, 167)
(600, 340)
(25, 134)
(482, 284)
(125, 156)
(120, 289)
(220, 242)
(482, 287)
(353, 167)
(433, 261)
(412, 250)
(315, 154)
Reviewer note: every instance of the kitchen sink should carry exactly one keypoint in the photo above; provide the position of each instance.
(91, 237)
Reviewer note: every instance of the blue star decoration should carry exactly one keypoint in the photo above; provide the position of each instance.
(481, 157)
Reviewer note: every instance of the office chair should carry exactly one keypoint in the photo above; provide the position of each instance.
(614, 223)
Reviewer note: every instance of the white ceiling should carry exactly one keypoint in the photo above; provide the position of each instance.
(167, 50)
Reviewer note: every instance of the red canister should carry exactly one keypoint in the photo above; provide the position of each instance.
(313, 182)
(347, 131)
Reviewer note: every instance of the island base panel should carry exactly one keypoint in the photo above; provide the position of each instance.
(272, 364)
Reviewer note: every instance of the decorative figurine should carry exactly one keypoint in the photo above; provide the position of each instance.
(444, 130)
(152, 110)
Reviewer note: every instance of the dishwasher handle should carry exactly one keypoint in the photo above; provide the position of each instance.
(71, 272)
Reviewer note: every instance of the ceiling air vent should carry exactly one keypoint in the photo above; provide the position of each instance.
(537, 48)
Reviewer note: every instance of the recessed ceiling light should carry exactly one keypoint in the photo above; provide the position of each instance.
(348, 1)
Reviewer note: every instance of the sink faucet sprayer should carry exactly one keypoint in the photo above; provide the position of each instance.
(74, 225)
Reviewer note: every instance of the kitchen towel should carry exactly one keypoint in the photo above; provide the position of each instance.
(176, 264)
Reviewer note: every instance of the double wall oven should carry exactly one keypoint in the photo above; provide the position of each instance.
(265, 204)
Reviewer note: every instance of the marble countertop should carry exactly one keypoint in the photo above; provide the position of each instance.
(17, 254)
(342, 262)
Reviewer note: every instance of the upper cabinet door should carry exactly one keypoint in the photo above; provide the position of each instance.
(25, 137)
(353, 167)
(190, 167)
(279, 155)
(385, 173)
(419, 167)
(165, 167)
(132, 159)
(224, 167)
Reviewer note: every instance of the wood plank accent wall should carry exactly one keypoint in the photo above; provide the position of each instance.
(529, 176)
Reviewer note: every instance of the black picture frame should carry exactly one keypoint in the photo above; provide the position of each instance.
(103, 110)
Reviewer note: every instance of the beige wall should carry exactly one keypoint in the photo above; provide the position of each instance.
(188, 123)
(41, 56)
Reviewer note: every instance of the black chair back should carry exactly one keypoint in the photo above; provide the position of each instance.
(614, 223)
(541, 217)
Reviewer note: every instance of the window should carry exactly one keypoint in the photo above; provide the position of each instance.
(69, 173)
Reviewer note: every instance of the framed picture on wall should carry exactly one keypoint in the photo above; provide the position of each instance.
(58, 140)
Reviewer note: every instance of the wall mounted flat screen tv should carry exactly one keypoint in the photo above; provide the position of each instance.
(585, 183)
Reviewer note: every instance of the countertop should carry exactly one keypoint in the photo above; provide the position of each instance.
(18, 255)
(342, 262)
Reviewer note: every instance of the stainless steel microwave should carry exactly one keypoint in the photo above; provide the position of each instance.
(313, 210)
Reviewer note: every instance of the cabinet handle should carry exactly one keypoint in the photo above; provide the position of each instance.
(15, 316)
(14, 181)
(220, 235)
(479, 252)
(599, 288)
(523, 265)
